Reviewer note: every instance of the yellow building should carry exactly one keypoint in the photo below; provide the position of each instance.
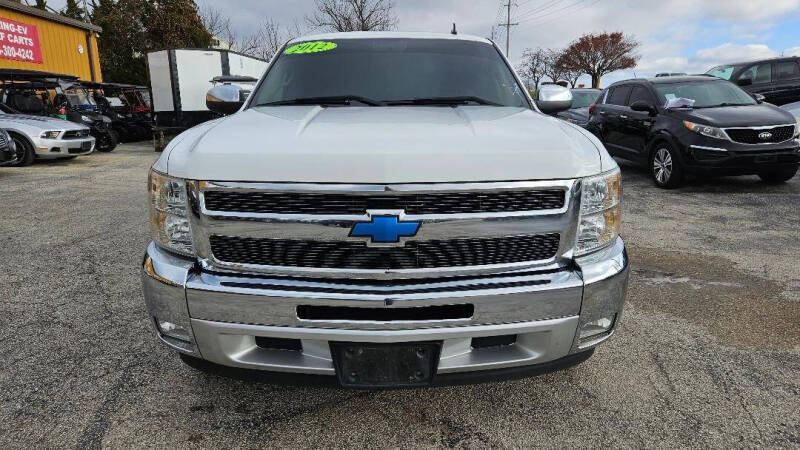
(33, 39)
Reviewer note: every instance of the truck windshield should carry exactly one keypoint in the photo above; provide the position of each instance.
(706, 94)
(390, 71)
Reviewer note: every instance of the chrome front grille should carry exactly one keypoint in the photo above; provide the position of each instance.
(427, 203)
(413, 255)
(305, 229)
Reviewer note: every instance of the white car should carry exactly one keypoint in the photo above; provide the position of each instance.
(39, 137)
(386, 209)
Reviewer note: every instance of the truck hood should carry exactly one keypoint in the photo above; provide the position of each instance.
(384, 145)
(42, 122)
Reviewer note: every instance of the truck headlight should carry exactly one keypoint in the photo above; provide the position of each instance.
(169, 218)
(705, 130)
(50, 134)
(601, 213)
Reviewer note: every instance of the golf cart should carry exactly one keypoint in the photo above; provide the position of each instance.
(123, 104)
(56, 95)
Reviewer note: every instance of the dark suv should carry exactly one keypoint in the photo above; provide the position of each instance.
(698, 125)
(778, 79)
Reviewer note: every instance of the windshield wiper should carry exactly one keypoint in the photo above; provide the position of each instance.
(329, 100)
(458, 100)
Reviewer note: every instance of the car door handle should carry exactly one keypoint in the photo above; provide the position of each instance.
(623, 116)
(602, 113)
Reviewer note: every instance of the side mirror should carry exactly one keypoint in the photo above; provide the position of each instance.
(744, 81)
(552, 98)
(643, 106)
(225, 99)
(759, 98)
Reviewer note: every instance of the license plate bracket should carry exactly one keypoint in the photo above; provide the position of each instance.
(367, 365)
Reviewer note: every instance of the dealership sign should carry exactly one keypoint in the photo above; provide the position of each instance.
(19, 41)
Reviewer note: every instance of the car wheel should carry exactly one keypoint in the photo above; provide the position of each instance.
(665, 167)
(778, 176)
(25, 153)
(106, 142)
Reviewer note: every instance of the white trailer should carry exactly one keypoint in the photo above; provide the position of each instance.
(179, 80)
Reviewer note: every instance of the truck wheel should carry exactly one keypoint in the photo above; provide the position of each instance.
(778, 176)
(25, 153)
(665, 167)
(106, 142)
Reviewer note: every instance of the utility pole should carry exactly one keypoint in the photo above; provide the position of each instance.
(508, 25)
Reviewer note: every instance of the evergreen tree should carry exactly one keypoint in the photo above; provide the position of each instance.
(131, 28)
(41, 4)
(72, 10)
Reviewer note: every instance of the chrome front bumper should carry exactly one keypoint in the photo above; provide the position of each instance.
(45, 148)
(217, 317)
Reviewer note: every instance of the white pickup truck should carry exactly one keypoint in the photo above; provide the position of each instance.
(386, 209)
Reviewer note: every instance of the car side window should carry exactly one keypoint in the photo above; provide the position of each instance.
(759, 73)
(618, 95)
(640, 94)
(787, 70)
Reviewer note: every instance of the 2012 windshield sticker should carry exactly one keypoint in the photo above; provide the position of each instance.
(310, 47)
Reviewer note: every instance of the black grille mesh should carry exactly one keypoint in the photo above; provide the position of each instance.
(74, 134)
(430, 203)
(750, 136)
(356, 255)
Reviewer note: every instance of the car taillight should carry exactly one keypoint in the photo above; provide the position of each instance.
(591, 109)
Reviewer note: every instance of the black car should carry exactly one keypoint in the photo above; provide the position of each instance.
(777, 79)
(698, 125)
(8, 153)
(578, 113)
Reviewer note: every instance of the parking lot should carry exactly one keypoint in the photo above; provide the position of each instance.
(708, 353)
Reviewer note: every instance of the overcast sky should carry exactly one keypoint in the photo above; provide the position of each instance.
(676, 35)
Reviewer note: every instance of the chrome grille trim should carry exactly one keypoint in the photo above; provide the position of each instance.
(332, 227)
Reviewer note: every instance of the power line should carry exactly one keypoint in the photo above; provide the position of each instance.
(543, 7)
(571, 7)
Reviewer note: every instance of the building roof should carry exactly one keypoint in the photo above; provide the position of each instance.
(25, 74)
(31, 11)
(389, 35)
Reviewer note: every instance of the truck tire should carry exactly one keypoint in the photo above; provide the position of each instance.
(778, 176)
(25, 149)
(106, 142)
(665, 166)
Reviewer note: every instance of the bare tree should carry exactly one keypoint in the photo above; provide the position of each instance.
(599, 54)
(219, 26)
(532, 65)
(268, 39)
(552, 68)
(353, 15)
(263, 43)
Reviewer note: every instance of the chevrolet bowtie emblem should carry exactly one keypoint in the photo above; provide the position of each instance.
(385, 229)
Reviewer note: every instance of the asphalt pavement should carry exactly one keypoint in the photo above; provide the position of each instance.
(708, 353)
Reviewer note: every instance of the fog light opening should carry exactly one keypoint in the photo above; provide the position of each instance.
(173, 330)
(596, 328)
(271, 343)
